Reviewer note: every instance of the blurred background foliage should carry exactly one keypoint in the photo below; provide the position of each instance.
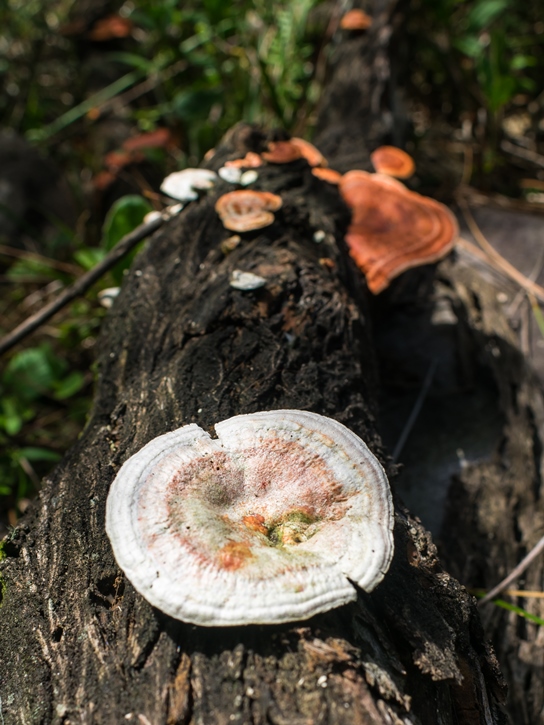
(104, 98)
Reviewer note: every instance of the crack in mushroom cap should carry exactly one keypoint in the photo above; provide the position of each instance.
(271, 522)
(392, 228)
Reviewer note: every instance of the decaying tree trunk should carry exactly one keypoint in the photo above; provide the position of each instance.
(78, 644)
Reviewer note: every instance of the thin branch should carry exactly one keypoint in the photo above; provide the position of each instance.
(72, 269)
(523, 153)
(523, 593)
(515, 573)
(415, 410)
(81, 285)
(497, 258)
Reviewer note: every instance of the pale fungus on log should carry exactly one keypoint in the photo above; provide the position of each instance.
(183, 185)
(273, 521)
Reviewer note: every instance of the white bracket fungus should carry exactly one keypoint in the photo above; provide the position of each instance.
(246, 280)
(271, 522)
(181, 185)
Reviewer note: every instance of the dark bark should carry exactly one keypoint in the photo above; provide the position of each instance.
(78, 644)
(495, 513)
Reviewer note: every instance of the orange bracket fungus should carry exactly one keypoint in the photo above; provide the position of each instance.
(282, 152)
(393, 161)
(246, 210)
(356, 20)
(392, 228)
(308, 151)
(273, 521)
(328, 175)
(250, 161)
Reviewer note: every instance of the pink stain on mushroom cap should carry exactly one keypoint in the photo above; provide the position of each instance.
(267, 523)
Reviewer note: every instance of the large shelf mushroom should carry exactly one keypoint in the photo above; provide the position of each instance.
(393, 228)
(273, 521)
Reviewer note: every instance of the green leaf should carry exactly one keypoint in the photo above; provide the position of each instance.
(38, 454)
(89, 257)
(485, 12)
(69, 385)
(124, 216)
(30, 373)
(195, 105)
(469, 45)
(519, 62)
(11, 421)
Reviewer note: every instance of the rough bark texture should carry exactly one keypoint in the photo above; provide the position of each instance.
(495, 513)
(79, 645)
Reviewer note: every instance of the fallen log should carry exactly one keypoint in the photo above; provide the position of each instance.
(181, 345)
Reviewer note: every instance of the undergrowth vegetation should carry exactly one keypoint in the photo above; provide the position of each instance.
(84, 88)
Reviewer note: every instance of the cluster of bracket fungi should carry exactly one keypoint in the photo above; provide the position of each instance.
(391, 230)
(286, 512)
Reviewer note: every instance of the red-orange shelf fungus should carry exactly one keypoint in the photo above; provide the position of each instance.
(273, 521)
(308, 151)
(392, 228)
(250, 161)
(282, 152)
(356, 20)
(246, 210)
(393, 161)
(328, 175)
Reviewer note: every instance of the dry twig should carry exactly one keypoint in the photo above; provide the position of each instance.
(81, 285)
(515, 573)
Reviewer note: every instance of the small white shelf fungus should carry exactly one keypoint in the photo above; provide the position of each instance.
(107, 296)
(248, 177)
(181, 185)
(246, 281)
(273, 521)
(230, 174)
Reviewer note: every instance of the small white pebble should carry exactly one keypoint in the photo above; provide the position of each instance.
(173, 210)
(322, 681)
(502, 297)
(246, 280)
(107, 296)
(151, 216)
(319, 236)
(138, 273)
(230, 174)
(250, 692)
(248, 177)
